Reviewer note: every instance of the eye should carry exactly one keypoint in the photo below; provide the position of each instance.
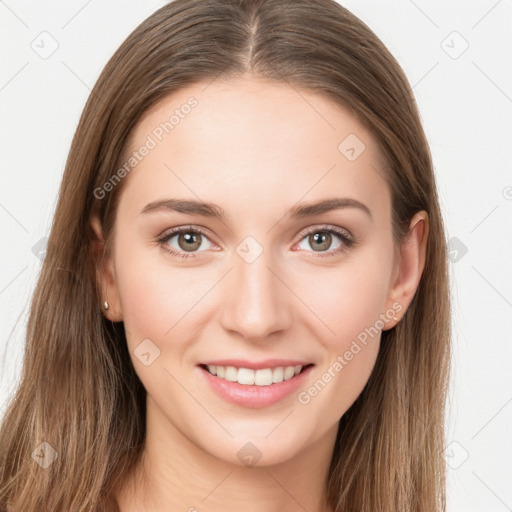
(321, 238)
(188, 239)
(185, 241)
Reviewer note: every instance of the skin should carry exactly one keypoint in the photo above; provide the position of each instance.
(256, 148)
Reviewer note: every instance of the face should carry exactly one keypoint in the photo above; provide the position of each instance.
(261, 285)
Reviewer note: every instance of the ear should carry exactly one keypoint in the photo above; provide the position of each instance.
(105, 275)
(408, 268)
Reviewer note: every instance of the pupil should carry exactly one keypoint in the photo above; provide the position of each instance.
(323, 239)
(191, 241)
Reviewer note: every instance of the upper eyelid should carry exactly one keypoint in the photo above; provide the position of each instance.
(326, 227)
(167, 234)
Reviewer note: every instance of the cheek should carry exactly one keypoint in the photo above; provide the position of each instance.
(146, 301)
(348, 299)
(148, 296)
(162, 301)
(352, 312)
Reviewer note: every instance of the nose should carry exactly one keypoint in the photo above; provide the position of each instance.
(255, 301)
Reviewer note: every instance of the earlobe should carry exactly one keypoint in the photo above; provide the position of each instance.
(410, 265)
(105, 275)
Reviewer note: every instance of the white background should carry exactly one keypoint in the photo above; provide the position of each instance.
(465, 100)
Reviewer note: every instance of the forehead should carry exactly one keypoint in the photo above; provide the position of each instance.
(248, 143)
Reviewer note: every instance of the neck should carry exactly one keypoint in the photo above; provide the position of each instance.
(182, 476)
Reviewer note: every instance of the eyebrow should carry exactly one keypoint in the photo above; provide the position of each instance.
(299, 211)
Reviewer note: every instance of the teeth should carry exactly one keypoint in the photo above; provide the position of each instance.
(248, 377)
(277, 374)
(263, 377)
(231, 374)
(289, 372)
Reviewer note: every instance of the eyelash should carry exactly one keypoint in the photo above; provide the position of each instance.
(347, 239)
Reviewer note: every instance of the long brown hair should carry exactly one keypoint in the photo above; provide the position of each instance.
(79, 392)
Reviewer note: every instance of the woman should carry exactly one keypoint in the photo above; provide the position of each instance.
(244, 299)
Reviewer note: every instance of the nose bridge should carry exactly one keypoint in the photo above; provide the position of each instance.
(255, 302)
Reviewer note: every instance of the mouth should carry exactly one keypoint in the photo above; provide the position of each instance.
(255, 377)
(255, 385)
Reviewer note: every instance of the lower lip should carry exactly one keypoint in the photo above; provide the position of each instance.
(254, 396)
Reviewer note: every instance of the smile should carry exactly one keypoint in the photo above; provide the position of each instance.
(250, 377)
(255, 385)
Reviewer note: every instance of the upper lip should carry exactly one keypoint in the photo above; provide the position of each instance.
(256, 365)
